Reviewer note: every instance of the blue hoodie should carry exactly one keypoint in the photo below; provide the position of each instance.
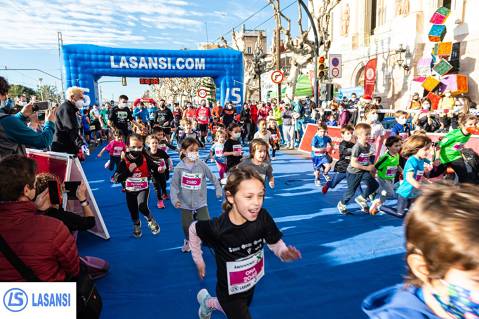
(397, 302)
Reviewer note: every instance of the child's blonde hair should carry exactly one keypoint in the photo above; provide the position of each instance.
(220, 132)
(151, 137)
(442, 228)
(414, 143)
(257, 143)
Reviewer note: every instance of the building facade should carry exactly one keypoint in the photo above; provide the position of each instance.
(396, 33)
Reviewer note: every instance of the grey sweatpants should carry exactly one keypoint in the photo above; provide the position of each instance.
(189, 216)
(386, 189)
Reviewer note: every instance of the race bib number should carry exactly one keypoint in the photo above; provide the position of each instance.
(419, 175)
(274, 136)
(238, 148)
(320, 152)
(458, 146)
(391, 171)
(202, 118)
(245, 273)
(161, 163)
(136, 184)
(363, 159)
(191, 181)
(219, 151)
(117, 150)
(163, 148)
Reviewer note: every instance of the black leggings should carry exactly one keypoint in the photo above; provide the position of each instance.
(138, 202)
(159, 183)
(237, 307)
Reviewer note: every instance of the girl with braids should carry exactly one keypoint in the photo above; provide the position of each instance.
(237, 237)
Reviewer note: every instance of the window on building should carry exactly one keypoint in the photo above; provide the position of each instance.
(373, 13)
(248, 50)
(446, 3)
(381, 13)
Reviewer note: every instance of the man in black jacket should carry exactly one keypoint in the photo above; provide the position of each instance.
(67, 138)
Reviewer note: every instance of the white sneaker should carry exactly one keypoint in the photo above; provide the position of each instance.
(317, 182)
(375, 206)
(363, 203)
(204, 312)
(186, 247)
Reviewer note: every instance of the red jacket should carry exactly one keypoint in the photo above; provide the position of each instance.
(43, 243)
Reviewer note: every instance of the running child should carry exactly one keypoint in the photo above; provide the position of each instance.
(387, 166)
(441, 259)
(401, 127)
(188, 131)
(418, 149)
(377, 129)
(453, 143)
(345, 150)
(115, 148)
(320, 145)
(160, 168)
(134, 172)
(164, 143)
(237, 237)
(360, 169)
(263, 132)
(217, 153)
(233, 149)
(188, 187)
(275, 139)
(259, 160)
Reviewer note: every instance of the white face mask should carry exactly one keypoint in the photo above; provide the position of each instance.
(426, 106)
(237, 135)
(402, 121)
(79, 104)
(373, 117)
(122, 105)
(192, 156)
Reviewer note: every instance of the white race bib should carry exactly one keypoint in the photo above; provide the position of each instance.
(237, 148)
(391, 171)
(243, 274)
(363, 159)
(136, 184)
(191, 181)
(117, 150)
(219, 151)
(419, 175)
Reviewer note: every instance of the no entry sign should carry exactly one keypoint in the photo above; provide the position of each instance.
(202, 93)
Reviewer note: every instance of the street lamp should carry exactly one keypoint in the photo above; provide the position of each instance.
(402, 55)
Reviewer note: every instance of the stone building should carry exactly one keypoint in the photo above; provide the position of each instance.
(396, 33)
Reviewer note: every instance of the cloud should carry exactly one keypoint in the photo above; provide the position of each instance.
(34, 24)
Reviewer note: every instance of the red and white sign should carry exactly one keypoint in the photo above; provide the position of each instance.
(277, 76)
(335, 65)
(202, 93)
(370, 77)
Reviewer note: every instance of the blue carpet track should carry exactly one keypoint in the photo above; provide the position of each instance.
(344, 257)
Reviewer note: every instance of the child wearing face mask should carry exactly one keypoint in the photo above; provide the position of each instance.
(401, 127)
(217, 153)
(188, 187)
(377, 129)
(441, 259)
(160, 169)
(259, 160)
(233, 149)
(134, 173)
(115, 148)
(237, 237)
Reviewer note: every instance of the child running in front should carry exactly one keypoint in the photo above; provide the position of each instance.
(442, 259)
(275, 139)
(217, 152)
(134, 172)
(360, 169)
(237, 237)
(160, 169)
(233, 149)
(345, 150)
(387, 166)
(114, 148)
(188, 187)
(320, 145)
(259, 160)
(418, 149)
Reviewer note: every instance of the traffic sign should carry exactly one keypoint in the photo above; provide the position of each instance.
(335, 65)
(202, 93)
(277, 76)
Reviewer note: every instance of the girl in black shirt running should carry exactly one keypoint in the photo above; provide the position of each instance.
(237, 237)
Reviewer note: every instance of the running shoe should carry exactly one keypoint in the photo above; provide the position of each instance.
(112, 180)
(204, 312)
(317, 182)
(373, 210)
(154, 227)
(343, 209)
(137, 230)
(362, 202)
(273, 158)
(326, 187)
(107, 164)
(372, 196)
(186, 247)
(160, 204)
(165, 197)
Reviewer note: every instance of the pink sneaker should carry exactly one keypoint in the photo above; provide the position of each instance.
(160, 204)
(165, 197)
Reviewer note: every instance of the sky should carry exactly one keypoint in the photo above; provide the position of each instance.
(28, 39)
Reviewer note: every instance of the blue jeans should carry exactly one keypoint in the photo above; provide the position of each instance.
(354, 181)
(337, 178)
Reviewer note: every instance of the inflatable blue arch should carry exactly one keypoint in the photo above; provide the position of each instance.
(85, 64)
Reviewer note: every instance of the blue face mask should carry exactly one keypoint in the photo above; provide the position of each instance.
(462, 303)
